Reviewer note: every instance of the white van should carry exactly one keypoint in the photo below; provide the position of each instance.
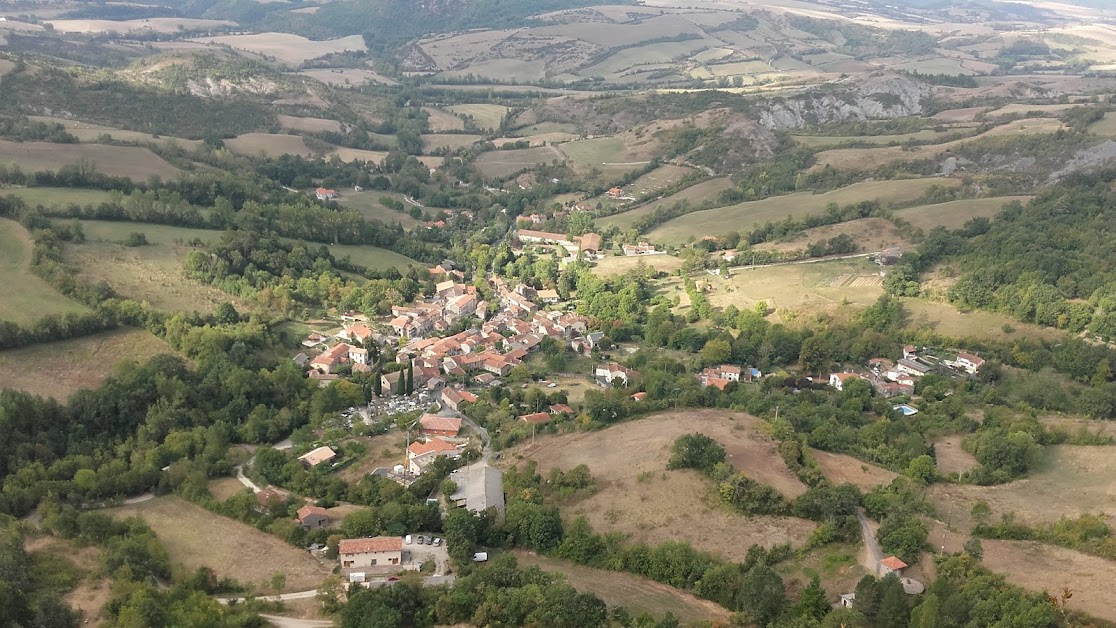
(407, 539)
(480, 557)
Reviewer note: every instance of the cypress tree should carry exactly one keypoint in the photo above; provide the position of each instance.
(410, 377)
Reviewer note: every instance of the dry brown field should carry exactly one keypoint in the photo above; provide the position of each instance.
(118, 161)
(269, 144)
(842, 469)
(952, 459)
(870, 234)
(291, 49)
(618, 265)
(309, 125)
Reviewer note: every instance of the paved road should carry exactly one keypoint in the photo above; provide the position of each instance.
(244, 479)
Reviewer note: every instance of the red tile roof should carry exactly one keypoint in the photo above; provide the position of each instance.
(437, 423)
(374, 544)
(306, 511)
(893, 563)
(434, 444)
(535, 417)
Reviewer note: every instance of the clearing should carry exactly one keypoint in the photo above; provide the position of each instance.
(151, 274)
(637, 496)
(1072, 480)
(954, 214)
(777, 208)
(1077, 425)
(947, 320)
(870, 234)
(52, 197)
(5, 66)
(951, 457)
(195, 537)
(268, 144)
(618, 265)
(224, 488)
(503, 163)
(59, 369)
(309, 125)
(288, 48)
(139, 164)
(842, 469)
(632, 592)
(484, 116)
(816, 286)
(27, 298)
(1041, 567)
(385, 450)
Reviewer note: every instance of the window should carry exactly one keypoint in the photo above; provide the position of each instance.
(373, 562)
(347, 563)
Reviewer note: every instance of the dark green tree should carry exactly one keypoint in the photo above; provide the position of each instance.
(762, 595)
(813, 604)
(410, 377)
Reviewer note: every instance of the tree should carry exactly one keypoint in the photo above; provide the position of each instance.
(922, 469)
(762, 595)
(895, 609)
(868, 598)
(716, 351)
(410, 377)
(813, 603)
(227, 314)
(980, 512)
(696, 451)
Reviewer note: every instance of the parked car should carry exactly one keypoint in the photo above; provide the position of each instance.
(407, 539)
(437, 541)
(420, 540)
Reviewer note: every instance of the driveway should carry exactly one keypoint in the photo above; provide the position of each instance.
(425, 553)
(872, 554)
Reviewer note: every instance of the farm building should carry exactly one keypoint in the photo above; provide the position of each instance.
(454, 398)
(590, 243)
(312, 517)
(838, 380)
(891, 565)
(381, 553)
(325, 194)
(317, 457)
(609, 373)
(479, 487)
(434, 425)
(969, 362)
(535, 418)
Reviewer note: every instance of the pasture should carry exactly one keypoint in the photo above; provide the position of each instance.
(26, 297)
(52, 197)
(450, 141)
(954, 214)
(195, 537)
(797, 205)
(618, 265)
(440, 121)
(815, 286)
(628, 58)
(94, 133)
(114, 231)
(353, 154)
(705, 192)
(870, 235)
(637, 496)
(503, 163)
(484, 116)
(842, 469)
(501, 69)
(948, 321)
(632, 592)
(163, 25)
(951, 458)
(152, 274)
(596, 152)
(138, 164)
(59, 369)
(290, 49)
(371, 257)
(368, 204)
(309, 125)
(268, 144)
(342, 77)
(1039, 567)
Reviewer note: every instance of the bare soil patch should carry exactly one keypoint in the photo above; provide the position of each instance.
(195, 537)
(842, 469)
(632, 592)
(952, 459)
(638, 497)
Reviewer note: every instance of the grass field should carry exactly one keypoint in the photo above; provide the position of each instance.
(1106, 126)
(632, 592)
(501, 69)
(955, 214)
(816, 286)
(372, 257)
(695, 195)
(385, 450)
(440, 121)
(269, 144)
(152, 274)
(26, 297)
(368, 204)
(195, 537)
(1024, 108)
(952, 459)
(502, 163)
(88, 132)
(59, 369)
(452, 141)
(627, 58)
(613, 265)
(870, 234)
(947, 320)
(842, 469)
(353, 154)
(745, 215)
(224, 488)
(118, 161)
(638, 497)
(113, 231)
(309, 125)
(50, 197)
(485, 116)
(595, 152)
(288, 48)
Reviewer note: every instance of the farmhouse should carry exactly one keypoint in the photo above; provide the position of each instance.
(969, 362)
(612, 371)
(312, 517)
(434, 425)
(616, 193)
(317, 457)
(642, 248)
(535, 418)
(561, 408)
(454, 398)
(479, 487)
(421, 455)
(325, 194)
(838, 380)
(379, 552)
(332, 359)
(590, 243)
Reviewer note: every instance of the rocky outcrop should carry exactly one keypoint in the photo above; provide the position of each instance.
(225, 87)
(876, 98)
